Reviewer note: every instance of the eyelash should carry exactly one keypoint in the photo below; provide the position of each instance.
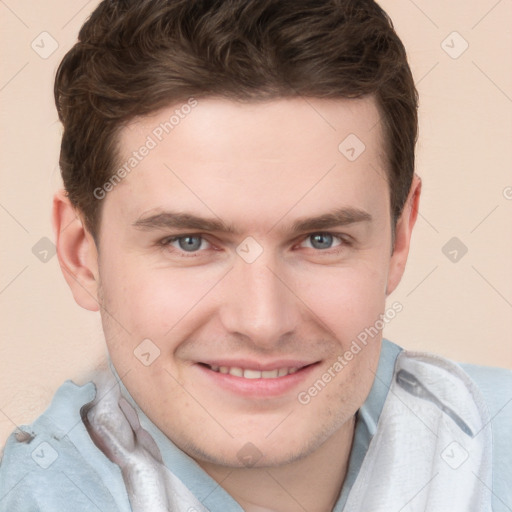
(345, 242)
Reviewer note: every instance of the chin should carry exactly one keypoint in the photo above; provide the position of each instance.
(257, 451)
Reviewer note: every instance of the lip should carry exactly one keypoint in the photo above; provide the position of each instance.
(257, 388)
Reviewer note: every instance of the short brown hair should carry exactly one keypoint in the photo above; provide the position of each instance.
(134, 57)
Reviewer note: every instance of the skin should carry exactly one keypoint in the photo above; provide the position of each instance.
(258, 167)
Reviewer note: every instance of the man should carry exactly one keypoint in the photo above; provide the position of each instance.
(238, 206)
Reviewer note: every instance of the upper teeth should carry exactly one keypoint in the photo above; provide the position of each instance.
(253, 374)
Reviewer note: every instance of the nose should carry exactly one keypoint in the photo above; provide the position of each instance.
(258, 303)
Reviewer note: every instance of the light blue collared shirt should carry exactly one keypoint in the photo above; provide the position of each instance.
(60, 468)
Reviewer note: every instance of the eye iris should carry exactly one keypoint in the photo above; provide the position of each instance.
(321, 240)
(190, 243)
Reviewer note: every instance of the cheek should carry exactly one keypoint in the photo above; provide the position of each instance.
(347, 299)
(151, 301)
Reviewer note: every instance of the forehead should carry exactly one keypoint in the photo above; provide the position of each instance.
(283, 123)
(219, 156)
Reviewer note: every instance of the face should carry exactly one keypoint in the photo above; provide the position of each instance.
(249, 251)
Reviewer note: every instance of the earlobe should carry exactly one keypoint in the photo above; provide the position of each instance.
(403, 233)
(76, 251)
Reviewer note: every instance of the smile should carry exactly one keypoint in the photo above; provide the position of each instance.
(257, 380)
(247, 373)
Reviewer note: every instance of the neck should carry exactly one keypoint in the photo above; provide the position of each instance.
(312, 483)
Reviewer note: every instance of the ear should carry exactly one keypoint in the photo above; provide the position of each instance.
(76, 251)
(403, 234)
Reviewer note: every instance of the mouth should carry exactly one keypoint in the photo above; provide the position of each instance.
(251, 380)
(248, 373)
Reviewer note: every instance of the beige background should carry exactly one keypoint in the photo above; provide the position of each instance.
(460, 309)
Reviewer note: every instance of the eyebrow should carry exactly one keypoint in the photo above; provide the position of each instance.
(180, 220)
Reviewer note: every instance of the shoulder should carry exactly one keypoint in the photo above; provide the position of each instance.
(496, 387)
(52, 464)
(495, 384)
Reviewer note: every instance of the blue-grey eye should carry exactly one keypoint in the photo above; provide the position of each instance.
(190, 243)
(321, 240)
